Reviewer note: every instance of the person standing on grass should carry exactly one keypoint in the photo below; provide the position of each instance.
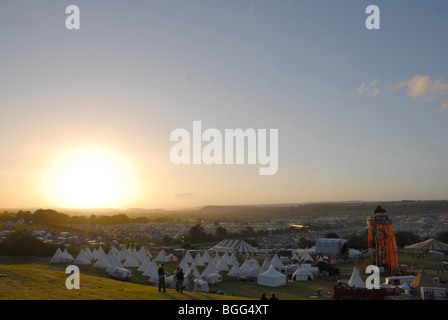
(190, 278)
(161, 272)
(179, 279)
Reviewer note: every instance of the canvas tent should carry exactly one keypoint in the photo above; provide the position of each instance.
(235, 271)
(102, 262)
(302, 275)
(151, 272)
(355, 279)
(332, 247)
(144, 264)
(198, 261)
(428, 245)
(67, 255)
(422, 280)
(58, 257)
(276, 262)
(266, 264)
(306, 258)
(115, 263)
(131, 261)
(210, 269)
(81, 258)
(271, 278)
(234, 246)
(188, 257)
(162, 256)
(206, 257)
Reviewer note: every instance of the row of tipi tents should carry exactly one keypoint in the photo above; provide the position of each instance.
(142, 260)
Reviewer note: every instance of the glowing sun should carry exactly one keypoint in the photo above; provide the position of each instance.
(91, 178)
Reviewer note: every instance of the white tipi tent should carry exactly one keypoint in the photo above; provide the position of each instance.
(95, 254)
(230, 259)
(271, 278)
(111, 255)
(222, 265)
(245, 267)
(206, 257)
(144, 264)
(131, 261)
(216, 259)
(89, 254)
(171, 257)
(184, 265)
(355, 280)
(102, 262)
(266, 264)
(235, 271)
(306, 258)
(115, 263)
(142, 253)
(58, 257)
(99, 252)
(162, 256)
(151, 272)
(198, 261)
(255, 270)
(67, 255)
(196, 273)
(276, 262)
(211, 268)
(188, 258)
(123, 254)
(81, 258)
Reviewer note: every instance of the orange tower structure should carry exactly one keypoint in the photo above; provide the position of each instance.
(382, 238)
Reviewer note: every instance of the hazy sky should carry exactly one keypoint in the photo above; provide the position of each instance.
(361, 114)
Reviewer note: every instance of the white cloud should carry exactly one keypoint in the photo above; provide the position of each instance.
(420, 87)
(425, 89)
(370, 89)
(443, 107)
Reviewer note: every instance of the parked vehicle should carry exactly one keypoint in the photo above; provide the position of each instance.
(121, 274)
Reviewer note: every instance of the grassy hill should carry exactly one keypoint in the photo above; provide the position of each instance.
(28, 278)
(35, 279)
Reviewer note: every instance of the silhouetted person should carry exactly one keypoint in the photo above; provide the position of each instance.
(263, 296)
(161, 272)
(273, 297)
(179, 279)
(190, 278)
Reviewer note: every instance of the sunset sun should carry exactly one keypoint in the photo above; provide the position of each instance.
(91, 178)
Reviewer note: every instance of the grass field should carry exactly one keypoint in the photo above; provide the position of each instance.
(32, 278)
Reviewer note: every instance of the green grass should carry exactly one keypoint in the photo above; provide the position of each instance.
(31, 278)
(34, 279)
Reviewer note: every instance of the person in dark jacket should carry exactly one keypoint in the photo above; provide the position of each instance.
(179, 279)
(161, 272)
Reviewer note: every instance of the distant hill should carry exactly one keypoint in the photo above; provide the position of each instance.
(323, 209)
(276, 211)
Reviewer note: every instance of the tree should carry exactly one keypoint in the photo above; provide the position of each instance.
(23, 243)
(331, 235)
(197, 233)
(221, 233)
(442, 236)
(404, 238)
(358, 241)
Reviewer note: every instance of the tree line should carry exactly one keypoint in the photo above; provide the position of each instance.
(52, 217)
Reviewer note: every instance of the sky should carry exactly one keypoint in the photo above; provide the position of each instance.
(361, 114)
